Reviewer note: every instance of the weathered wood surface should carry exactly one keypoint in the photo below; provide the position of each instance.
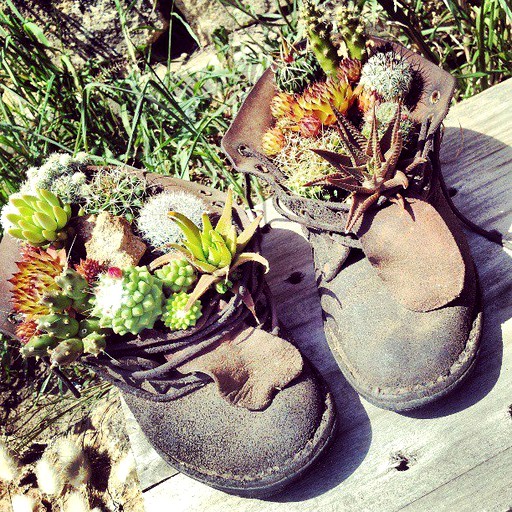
(455, 455)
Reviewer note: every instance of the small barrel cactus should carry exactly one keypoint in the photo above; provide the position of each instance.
(128, 301)
(178, 275)
(388, 74)
(296, 71)
(176, 315)
(38, 219)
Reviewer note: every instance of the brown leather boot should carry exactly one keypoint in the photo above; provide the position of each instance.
(399, 291)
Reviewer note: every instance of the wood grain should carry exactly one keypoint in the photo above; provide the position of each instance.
(455, 455)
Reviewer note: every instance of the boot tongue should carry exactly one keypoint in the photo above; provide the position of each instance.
(414, 253)
(249, 366)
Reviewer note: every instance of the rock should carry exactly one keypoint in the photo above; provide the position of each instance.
(205, 16)
(92, 28)
(109, 240)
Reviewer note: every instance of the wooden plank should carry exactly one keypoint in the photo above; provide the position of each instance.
(456, 451)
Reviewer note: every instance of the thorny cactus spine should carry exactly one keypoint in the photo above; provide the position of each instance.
(38, 219)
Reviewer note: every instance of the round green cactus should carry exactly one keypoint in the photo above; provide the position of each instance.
(176, 315)
(128, 301)
(40, 345)
(38, 219)
(178, 275)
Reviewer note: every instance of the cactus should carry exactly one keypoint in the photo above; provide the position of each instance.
(56, 166)
(38, 219)
(58, 325)
(318, 31)
(154, 224)
(94, 343)
(177, 276)
(56, 301)
(387, 74)
(66, 352)
(39, 346)
(350, 28)
(117, 191)
(127, 301)
(177, 316)
(384, 113)
(295, 70)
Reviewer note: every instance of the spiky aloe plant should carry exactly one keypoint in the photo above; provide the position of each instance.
(215, 252)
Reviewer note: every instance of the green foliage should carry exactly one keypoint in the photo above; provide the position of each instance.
(129, 303)
(177, 316)
(38, 219)
(178, 275)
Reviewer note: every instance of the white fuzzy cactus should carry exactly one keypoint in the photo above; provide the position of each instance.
(23, 503)
(388, 74)
(154, 224)
(9, 466)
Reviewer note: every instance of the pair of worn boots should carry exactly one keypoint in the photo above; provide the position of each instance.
(233, 403)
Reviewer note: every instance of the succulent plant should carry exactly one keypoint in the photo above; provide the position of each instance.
(384, 115)
(319, 99)
(178, 315)
(90, 269)
(284, 105)
(177, 276)
(309, 126)
(295, 69)
(115, 190)
(154, 224)
(38, 219)
(58, 325)
(26, 330)
(351, 68)
(388, 74)
(349, 27)
(35, 278)
(369, 168)
(127, 301)
(318, 30)
(273, 141)
(66, 352)
(214, 252)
